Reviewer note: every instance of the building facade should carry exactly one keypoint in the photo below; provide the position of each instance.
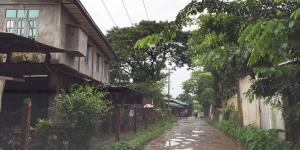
(64, 24)
(74, 51)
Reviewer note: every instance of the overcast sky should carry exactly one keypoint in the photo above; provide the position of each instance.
(159, 10)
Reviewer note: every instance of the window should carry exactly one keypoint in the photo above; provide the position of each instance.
(22, 22)
(88, 53)
(10, 26)
(32, 29)
(21, 27)
(98, 60)
(11, 13)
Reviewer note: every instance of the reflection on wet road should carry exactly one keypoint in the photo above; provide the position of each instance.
(192, 134)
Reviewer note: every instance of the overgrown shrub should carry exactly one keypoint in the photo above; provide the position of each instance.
(228, 111)
(79, 112)
(138, 141)
(252, 138)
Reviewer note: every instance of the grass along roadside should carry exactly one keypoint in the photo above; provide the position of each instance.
(252, 138)
(137, 141)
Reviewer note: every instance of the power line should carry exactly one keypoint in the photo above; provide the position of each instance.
(127, 12)
(146, 9)
(112, 19)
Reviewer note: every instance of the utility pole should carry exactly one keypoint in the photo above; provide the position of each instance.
(169, 81)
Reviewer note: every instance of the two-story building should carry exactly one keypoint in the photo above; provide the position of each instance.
(80, 51)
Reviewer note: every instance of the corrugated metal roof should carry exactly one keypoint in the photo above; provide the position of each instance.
(10, 42)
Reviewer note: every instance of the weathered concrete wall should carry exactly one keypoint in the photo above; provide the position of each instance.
(271, 117)
(251, 113)
(258, 113)
(47, 22)
(54, 24)
(232, 101)
(69, 38)
(79, 41)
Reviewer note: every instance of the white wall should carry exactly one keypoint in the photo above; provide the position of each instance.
(257, 112)
(250, 108)
(271, 117)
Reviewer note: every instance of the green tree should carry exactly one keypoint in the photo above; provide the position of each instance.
(78, 113)
(275, 59)
(268, 34)
(214, 47)
(185, 97)
(144, 64)
(200, 88)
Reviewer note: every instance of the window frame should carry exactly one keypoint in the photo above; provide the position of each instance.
(27, 19)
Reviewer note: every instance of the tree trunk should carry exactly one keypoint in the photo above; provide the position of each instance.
(292, 127)
(217, 96)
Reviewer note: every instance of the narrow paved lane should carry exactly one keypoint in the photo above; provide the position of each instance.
(192, 134)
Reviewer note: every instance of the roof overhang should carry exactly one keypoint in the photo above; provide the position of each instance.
(10, 42)
(35, 75)
(77, 10)
(175, 105)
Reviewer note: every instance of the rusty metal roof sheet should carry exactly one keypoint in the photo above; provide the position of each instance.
(10, 42)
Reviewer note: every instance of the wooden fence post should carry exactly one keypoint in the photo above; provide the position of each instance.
(110, 123)
(25, 123)
(118, 120)
(145, 117)
(134, 119)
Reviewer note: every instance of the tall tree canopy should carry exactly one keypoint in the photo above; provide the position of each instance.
(200, 88)
(267, 32)
(144, 64)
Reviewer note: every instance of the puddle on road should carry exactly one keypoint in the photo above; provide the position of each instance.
(192, 140)
(171, 143)
(187, 143)
(181, 141)
(176, 140)
(197, 131)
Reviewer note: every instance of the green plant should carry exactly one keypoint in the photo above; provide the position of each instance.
(44, 128)
(228, 111)
(138, 141)
(32, 57)
(252, 138)
(79, 112)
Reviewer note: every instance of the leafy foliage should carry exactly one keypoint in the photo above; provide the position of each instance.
(185, 97)
(253, 138)
(274, 58)
(145, 64)
(153, 90)
(79, 112)
(251, 10)
(138, 141)
(214, 47)
(265, 34)
(200, 88)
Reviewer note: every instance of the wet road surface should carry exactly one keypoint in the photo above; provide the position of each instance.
(192, 134)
